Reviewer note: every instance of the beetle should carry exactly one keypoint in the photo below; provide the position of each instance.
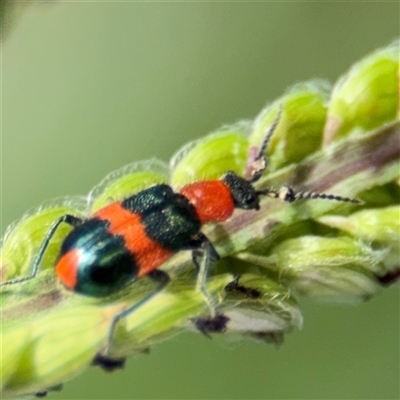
(130, 239)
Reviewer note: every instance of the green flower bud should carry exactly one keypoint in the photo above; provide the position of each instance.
(23, 239)
(211, 157)
(333, 268)
(302, 121)
(367, 96)
(380, 226)
(127, 181)
(261, 308)
(51, 353)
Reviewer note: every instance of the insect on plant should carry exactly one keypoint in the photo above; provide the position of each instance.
(131, 238)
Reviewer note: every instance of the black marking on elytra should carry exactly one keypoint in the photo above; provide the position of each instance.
(105, 264)
(248, 292)
(149, 199)
(108, 364)
(86, 233)
(168, 217)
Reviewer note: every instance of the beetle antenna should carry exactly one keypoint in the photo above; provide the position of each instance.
(260, 162)
(289, 195)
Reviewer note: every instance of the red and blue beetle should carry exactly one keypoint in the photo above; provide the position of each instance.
(132, 238)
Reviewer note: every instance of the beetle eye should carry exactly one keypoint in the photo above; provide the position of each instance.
(250, 200)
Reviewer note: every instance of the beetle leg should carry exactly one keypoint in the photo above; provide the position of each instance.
(203, 257)
(156, 275)
(68, 219)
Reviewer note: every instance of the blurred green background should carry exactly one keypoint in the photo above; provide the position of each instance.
(90, 86)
